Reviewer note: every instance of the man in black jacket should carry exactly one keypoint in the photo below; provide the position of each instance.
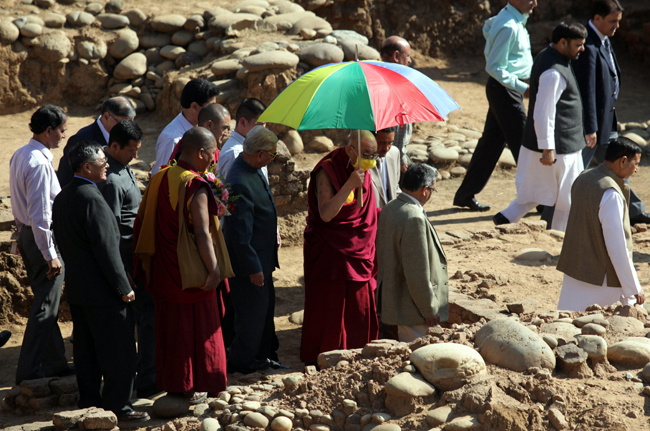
(113, 111)
(252, 241)
(98, 291)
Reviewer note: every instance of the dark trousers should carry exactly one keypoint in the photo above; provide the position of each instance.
(145, 317)
(636, 206)
(104, 347)
(42, 353)
(254, 330)
(504, 124)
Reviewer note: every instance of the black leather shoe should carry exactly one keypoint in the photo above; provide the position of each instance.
(473, 205)
(4, 337)
(641, 218)
(500, 219)
(134, 416)
(276, 365)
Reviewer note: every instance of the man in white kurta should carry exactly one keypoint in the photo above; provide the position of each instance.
(547, 180)
(579, 290)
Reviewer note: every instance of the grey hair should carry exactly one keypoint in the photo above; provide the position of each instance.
(259, 139)
(82, 153)
(419, 175)
(118, 106)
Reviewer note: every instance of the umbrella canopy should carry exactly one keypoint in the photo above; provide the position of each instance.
(366, 95)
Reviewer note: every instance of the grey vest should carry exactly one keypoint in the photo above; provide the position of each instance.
(569, 133)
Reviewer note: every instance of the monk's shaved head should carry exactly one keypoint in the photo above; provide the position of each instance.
(368, 141)
(196, 139)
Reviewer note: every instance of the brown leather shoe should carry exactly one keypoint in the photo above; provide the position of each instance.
(134, 416)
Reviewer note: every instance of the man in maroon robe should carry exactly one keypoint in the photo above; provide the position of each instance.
(340, 252)
(190, 356)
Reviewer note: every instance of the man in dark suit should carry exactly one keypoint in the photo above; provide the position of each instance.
(97, 287)
(385, 176)
(599, 79)
(113, 111)
(252, 241)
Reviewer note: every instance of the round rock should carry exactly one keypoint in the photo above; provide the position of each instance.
(194, 23)
(155, 40)
(94, 8)
(124, 44)
(560, 330)
(132, 67)
(533, 255)
(625, 325)
(293, 141)
(136, 17)
(112, 20)
(281, 423)
(507, 160)
(210, 424)
(182, 38)
(45, 4)
(168, 23)
(318, 54)
(114, 6)
(510, 344)
(646, 372)
(92, 49)
(270, 60)
(442, 154)
(198, 47)
(351, 48)
(186, 59)
(633, 352)
(589, 318)
(447, 366)
(79, 19)
(439, 416)
(225, 67)
(52, 47)
(170, 52)
(313, 23)
(321, 144)
(256, 420)
(171, 406)
(407, 385)
(595, 346)
(54, 20)
(31, 30)
(350, 35)
(593, 329)
(9, 33)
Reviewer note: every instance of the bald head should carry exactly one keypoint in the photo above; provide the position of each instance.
(368, 144)
(396, 49)
(197, 139)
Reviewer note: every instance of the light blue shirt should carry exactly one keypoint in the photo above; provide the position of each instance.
(507, 48)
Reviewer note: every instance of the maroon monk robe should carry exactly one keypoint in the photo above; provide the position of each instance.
(339, 267)
(190, 355)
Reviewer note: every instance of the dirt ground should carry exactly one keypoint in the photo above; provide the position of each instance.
(464, 80)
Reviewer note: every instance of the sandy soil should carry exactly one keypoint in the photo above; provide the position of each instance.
(464, 80)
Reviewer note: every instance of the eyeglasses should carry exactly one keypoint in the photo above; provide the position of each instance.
(432, 188)
(102, 163)
(273, 155)
(367, 156)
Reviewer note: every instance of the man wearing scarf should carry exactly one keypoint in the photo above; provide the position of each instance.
(340, 251)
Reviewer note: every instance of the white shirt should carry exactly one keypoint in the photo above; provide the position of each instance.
(168, 139)
(577, 295)
(229, 152)
(384, 176)
(104, 132)
(34, 185)
(604, 38)
(551, 86)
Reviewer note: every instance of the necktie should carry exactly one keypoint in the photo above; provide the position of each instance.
(608, 47)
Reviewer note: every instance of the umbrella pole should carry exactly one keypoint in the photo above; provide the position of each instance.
(360, 189)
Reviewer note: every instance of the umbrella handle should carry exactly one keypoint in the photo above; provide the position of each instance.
(360, 197)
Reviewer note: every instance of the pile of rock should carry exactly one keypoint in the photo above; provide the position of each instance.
(131, 53)
(41, 394)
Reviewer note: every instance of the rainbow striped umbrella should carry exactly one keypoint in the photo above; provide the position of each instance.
(366, 95)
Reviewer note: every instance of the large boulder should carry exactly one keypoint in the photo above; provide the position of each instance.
(350, 35)
(155, 40)
(124, 44)
(136, 17)
(132, 67)
(52, 47)
(225, 67)
(510, 344)
(633, 352)
(171, 406)
(270, 60)
(448, 366)
(228, 23)
(79, 19)
(290, 18)
(313, 23)
(318, 54)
